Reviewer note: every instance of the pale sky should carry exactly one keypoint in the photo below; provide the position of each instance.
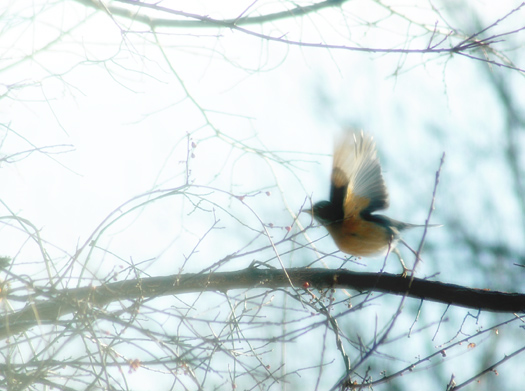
(108, 100)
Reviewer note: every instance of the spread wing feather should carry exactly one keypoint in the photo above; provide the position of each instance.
(356, 174)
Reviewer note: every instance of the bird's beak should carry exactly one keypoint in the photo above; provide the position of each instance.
(309, 211)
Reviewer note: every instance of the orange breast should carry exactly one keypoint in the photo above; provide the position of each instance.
(359, 237)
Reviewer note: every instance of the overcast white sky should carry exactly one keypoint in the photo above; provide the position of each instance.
(106, 97)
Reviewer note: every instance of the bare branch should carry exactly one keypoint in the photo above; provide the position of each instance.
(67, 301)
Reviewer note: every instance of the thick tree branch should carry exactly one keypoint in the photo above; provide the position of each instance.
(72, 300)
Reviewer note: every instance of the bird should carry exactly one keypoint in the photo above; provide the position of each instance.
(357, 191)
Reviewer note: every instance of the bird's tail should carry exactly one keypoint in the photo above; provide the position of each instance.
(399, 225)
(408, 225)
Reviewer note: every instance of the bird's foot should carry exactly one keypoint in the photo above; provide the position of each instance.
(406, 272)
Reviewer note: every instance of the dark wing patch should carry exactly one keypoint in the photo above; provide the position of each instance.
(339, 185)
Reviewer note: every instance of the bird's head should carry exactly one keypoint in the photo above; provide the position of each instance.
(325, 212)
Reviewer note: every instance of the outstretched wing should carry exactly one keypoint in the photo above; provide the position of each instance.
(357, 182)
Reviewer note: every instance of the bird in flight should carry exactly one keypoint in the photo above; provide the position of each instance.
(357, 191)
